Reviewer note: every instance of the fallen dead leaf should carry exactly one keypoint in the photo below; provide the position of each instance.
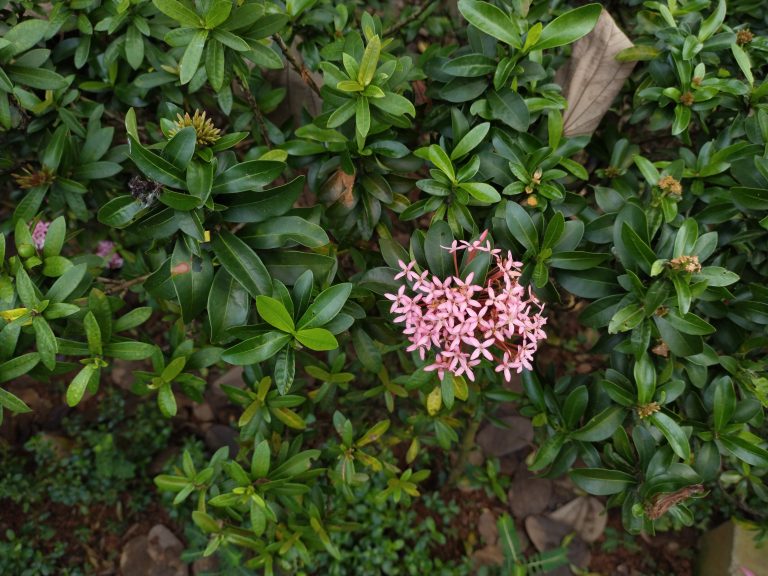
(593, 77)
(585, 514)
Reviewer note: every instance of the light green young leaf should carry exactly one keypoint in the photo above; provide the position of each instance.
(274, 313)
(369, 62)
(569, 27)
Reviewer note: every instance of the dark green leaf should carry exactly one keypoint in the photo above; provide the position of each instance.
(673, 433)
(192, 276)
(257, 349)
(510, 108)
(153, 166)
(228, 305)
(242, 263)
(249, 175)
(744, 450)
(600, 481)
(491, 20)
(601, 426)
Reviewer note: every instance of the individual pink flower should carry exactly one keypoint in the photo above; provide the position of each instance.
(39, 234)
(106, 249)
(406, 270)
(466, 323)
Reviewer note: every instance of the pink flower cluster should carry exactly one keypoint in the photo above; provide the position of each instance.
(105, 249)
(39, 233)
(465, 323)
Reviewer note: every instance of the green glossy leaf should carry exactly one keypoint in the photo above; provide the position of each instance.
(261, 460)
(54, 238)
(568, 27)
(601, 426)
(249, 175)
(711, 24)
(744, 450)
(547, 452)
(645, 379)
(575, 405)
(601, 481)
(67, 283)
(38, 78)
(153, 166)
(92, 334)
(215, 63)
(285, 370)
(491, 20)
(439, 158)
(438, 240)
(673, 433)
(256, 349)
(132, 319)
(180, 149)
(166, 401)
(263, 207)
(192, 276)
(79, 383)
(228, 305)
(24, 35)
(521, 226)
(242, 263)
(273, 312)
(317, 339)
(190, 61)
(325, 307)
(724, 403)
(13, 403)
(18, 366)
(509, 107)
(689, 323)
(119, 212)
(481, 192)
(282, 231)
(470, 141)
(55, 149)
(179, 12)
(369, 61)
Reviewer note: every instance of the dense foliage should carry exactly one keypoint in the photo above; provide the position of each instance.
(254, 176)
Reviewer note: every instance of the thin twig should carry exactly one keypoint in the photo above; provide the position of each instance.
(256, 112)
(412, 18)
(122, 286)
(297, 65)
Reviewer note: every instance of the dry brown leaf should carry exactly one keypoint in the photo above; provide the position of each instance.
(592, 77)
(339, 187)
(584, 514)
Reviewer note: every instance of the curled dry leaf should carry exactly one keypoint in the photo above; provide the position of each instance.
(339, 187)
(593, 77)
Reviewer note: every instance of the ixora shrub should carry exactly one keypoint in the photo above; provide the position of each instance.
(382, 266)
